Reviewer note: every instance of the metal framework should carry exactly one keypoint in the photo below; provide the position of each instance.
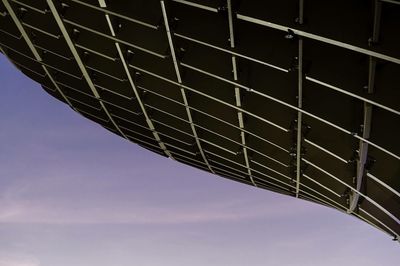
(242, 95)
(178, 76)
(366, 127)
(299, 103)
(78, 60)
(237, 90)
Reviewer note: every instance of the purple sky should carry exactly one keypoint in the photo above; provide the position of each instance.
(71, 193)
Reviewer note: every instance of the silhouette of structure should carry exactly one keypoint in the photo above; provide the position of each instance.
(296, 97)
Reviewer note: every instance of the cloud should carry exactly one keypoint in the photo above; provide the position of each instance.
(78, 199)
(18, 261)
(45, 212)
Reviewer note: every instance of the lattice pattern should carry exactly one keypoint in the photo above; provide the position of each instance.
(272, 94)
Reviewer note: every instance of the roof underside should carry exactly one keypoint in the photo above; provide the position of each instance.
(297, 98)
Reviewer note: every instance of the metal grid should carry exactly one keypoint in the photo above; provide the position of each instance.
(274, 98)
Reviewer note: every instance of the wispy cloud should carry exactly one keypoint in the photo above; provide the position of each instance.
(43, 212)
(15, 208)
(18, 261)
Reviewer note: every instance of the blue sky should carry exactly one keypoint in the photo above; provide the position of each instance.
(71, 193)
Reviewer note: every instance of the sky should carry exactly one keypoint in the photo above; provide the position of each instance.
(72, 193)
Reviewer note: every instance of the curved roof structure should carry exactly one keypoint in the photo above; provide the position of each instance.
(297, 97)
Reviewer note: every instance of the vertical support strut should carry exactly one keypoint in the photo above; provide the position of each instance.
(179, 79)
(299, 101)
(237, 92)
(149, 122)
(362, 157)
(373, 40)
(366, 127)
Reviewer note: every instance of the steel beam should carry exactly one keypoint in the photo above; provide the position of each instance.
(299, 136)
(179, 79)
(40, 61)
(18, 65)
(130, 98)
(41, 31)
(374, 39)
(325, 150)
(54, 53)
(95, 52)
(319, 38)
(253, 170)
(231, 52)
(396, 2)
(372, 75)
(383, 184)
(29, 7)
(324, 187)
(325, 197)
(78, 60)
(196, 5)
(237, 90)
(114, 38)
(394, 218)
(366, 127)
(109, 12)
(236, 109)
(12, 35)
(232, 152)
(133, 86)
(396, 235)
(295, 108)
(243, 87)
(81, 112)
(362, 157)
(33, 49)
(348, 132)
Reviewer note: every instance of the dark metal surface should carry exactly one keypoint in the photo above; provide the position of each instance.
(297, 97)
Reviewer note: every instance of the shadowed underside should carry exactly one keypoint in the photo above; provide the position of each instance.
(296, 97)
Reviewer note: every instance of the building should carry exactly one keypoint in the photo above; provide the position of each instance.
(297, 97)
